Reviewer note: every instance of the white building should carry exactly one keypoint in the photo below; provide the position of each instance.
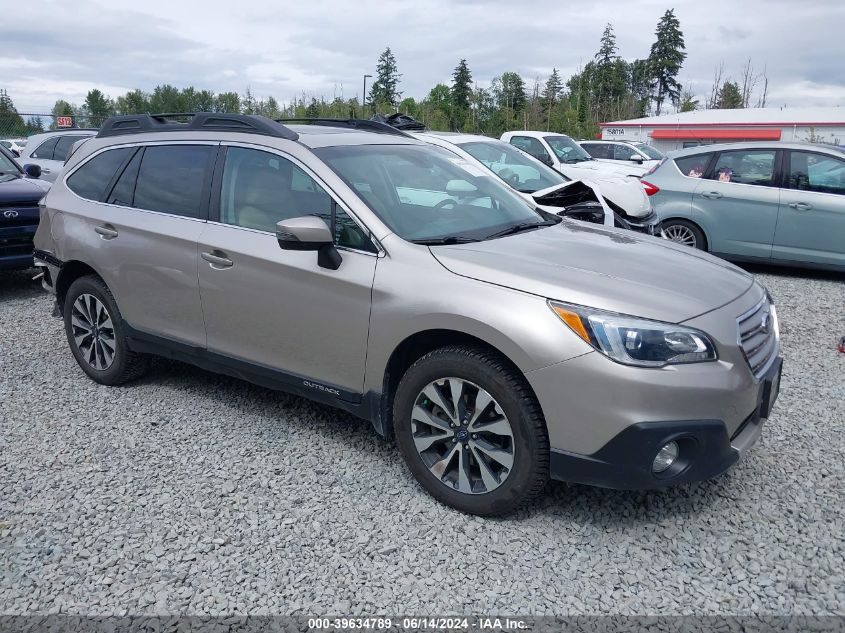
(687, 129)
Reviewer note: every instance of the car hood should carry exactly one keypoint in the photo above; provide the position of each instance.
(20, 190)
(603, 268)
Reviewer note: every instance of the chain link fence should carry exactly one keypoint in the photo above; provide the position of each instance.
(16, 127)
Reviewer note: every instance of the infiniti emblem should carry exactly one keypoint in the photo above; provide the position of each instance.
(10, 213)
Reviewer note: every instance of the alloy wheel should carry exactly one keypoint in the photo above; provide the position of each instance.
(680, 234)
(93, 331)
(462, 436)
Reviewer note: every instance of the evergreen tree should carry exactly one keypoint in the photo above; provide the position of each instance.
(666, 59)
(640, 88)
(11, 123)
(166, 99)
(461, 94)
(384, 90)
(551, 95)
(730, 96)
(97, 106)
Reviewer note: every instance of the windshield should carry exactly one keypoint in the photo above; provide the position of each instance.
(520, 171)
(427, 194)
(567, 150)
(8, 169)
(649, 151)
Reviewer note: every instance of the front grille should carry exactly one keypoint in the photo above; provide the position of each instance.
(14, 246)
(758, 337)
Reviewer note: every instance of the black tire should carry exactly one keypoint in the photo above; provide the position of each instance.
(125, 364)
(505, 383)
(692, 229)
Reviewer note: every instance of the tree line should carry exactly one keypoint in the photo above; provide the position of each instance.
(607, 88)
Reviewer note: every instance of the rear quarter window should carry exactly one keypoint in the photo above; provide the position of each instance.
(90, 180)
(693, 166)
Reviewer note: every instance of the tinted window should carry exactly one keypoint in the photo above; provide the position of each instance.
(63, 146)
(124, 188)
(531, 146)
(171, 179)
(598, 150)
(623, 152)
(747, 167)
(693, 166)
(45, 150)
(260, 189)
(90, 180)
(816, 172)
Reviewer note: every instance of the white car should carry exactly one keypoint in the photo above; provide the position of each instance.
(621, 201)
(564, 154)
(627, 153)
(50, 150)
(14, 145)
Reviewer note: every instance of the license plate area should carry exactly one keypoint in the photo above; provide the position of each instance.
(771, 389)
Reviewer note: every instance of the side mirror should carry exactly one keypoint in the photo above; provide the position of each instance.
(33, 171)
(546, 160)
(636, 158)
(309, 233)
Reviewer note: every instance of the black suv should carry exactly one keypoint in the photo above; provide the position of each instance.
(19, 196)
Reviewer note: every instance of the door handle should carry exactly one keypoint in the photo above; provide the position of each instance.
(801, 206)
(106, 232)
(712, 195)
(45, 171)
(218, 260)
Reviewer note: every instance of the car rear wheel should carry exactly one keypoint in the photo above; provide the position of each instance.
(471, 431)
(96, 334)
(685, 233)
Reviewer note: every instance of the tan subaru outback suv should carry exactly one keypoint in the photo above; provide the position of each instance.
(349, 263)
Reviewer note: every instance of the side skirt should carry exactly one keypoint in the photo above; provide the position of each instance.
(367, 406)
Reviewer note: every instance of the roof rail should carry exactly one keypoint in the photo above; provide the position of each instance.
(365, 125)
(199, 121)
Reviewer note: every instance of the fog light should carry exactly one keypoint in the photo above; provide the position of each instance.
(666, 456)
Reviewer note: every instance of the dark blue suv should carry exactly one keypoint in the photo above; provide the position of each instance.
(19, 196)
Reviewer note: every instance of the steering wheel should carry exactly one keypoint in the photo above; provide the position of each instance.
(445, 203)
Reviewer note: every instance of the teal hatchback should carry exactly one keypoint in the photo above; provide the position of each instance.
(780, 203)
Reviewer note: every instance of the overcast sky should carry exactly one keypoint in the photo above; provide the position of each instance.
(323, 47)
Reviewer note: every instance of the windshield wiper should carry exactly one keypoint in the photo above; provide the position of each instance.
(448, 239)
(520, 227)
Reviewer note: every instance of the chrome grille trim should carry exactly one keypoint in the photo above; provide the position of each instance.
(759, 344)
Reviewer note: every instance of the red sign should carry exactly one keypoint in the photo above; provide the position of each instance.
(64, 121)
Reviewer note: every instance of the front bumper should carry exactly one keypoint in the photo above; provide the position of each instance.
(16, 246)
(706, 449)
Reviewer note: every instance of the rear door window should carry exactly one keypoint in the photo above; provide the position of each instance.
(745, 167)
(46, 149)
(693, 166)
(63, 146)
(171, 179)
(809, 171)
(90, 180)
(532, 146)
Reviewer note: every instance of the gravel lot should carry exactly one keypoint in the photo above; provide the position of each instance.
(194, 493)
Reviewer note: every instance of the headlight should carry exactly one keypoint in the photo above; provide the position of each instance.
(633, 341)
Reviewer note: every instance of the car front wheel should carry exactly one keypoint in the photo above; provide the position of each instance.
(471, 430)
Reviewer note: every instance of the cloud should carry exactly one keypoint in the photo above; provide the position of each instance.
(323, 47)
